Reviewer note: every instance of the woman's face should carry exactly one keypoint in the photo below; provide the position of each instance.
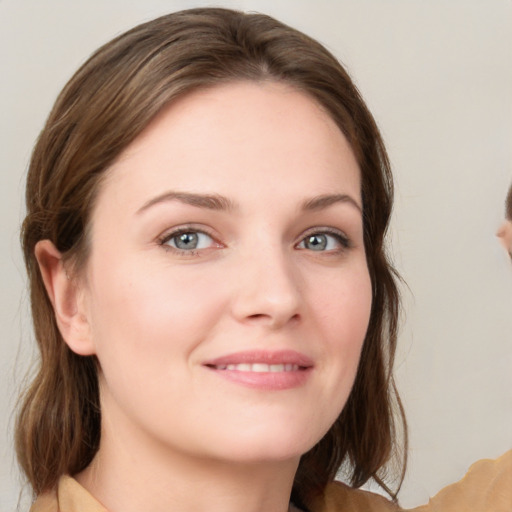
(227, 291)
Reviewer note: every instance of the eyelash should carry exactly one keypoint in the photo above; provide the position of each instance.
(340, 237)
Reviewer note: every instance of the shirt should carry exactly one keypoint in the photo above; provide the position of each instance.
(486, 487)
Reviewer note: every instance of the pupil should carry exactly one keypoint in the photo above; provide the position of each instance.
(317, 242)
(187, 241)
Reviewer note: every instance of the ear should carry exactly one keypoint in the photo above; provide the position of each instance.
(67, 297)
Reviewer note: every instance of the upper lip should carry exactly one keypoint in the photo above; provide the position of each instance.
(262, 356)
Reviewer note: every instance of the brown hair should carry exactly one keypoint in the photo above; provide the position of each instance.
(508, 204)
(103, 108)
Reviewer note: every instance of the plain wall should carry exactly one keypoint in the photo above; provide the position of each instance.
(438, 77)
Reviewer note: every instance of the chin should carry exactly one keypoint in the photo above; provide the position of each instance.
(279, 443)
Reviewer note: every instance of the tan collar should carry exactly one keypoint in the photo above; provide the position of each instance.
(69, 496)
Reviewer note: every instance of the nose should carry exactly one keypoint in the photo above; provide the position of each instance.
(267, 290)
(505, 236)
(501, 231)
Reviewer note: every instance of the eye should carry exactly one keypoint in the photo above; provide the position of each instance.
(322, 241)
(189, 240)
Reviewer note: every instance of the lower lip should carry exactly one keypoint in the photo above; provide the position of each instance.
(266, 381)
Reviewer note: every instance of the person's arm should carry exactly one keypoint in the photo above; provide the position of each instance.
(486, 487)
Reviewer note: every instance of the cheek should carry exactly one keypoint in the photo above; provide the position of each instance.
(345, 306)
(343, 313)
(145, 328)
(156, 315)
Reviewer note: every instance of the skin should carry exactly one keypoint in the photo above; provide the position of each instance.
(175, 431)
(505, 235)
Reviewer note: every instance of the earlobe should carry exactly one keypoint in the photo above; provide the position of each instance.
(66, 296)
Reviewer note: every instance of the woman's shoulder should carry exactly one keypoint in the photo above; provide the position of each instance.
(46, 502)
(69, 496)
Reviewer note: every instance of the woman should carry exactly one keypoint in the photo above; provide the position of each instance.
(234, 156)
(215, 311)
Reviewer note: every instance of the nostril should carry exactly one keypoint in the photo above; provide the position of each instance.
(273, 320)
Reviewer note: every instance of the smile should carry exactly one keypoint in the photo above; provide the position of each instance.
(258, 367)
(263, 370)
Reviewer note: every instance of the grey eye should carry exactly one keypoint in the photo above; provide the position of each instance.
(324, 242)
(316, 242)
(186, 241)
(190, 240)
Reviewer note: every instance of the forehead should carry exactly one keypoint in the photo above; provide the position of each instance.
(239, 134)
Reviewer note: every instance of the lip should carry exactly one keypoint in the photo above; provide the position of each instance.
(290, 369)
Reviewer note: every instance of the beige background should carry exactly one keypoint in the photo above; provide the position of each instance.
(438, 76)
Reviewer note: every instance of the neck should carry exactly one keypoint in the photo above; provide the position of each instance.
(127, 476)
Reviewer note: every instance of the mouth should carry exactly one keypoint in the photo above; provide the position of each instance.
(258, 367)
(264, 370)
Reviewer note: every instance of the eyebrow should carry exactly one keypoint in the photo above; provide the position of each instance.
(221, 203)
(208, 201)
(326, 200)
